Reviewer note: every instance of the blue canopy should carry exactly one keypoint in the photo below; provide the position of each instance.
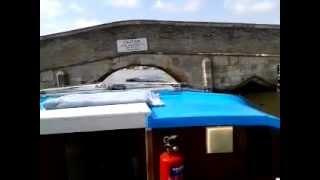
(189, 108)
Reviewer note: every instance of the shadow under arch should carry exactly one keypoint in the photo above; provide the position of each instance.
(251, 84)
(169, 72)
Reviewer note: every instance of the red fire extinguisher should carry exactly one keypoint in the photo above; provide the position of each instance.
(171, 161)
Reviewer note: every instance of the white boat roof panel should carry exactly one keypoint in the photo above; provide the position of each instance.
(97, 118)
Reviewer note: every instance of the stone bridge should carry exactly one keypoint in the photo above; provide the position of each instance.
(202, 54)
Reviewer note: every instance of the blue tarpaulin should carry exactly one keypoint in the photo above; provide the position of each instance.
(189, 108)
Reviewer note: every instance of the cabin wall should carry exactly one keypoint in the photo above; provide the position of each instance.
(255, 155)
(121, 154)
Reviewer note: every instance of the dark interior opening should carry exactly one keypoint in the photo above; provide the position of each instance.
(118, 154)
(121, 154)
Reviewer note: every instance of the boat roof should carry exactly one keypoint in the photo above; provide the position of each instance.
(180, 108)
(93, 118)
(194, 108)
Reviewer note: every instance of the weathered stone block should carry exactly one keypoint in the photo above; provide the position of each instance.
(245, 68)
(250, 60)
(253, 67)
(75, 80)
(235, 80)
(47, 76)
(220, 61)
(233, 60)
(45, 85)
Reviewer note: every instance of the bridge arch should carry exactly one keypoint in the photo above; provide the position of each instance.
(253, 84)
(213, 55)
(167, 71)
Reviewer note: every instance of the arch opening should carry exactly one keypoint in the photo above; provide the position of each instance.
(254, 84)
(261, 93)
(138, 73)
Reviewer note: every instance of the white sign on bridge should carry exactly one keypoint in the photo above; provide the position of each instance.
(130, 45)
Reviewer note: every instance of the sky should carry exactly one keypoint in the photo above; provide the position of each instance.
(64, 15)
